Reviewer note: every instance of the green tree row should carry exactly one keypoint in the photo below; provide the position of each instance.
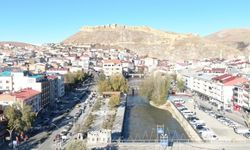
(75, 77)
(19, 118)
(108, 122)
(155, 88)
(116, 83)
(114, 101)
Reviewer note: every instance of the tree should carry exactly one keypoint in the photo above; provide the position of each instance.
(119, 83)
(174, 76)
(76, 145)
(14, 119)
(156, 88)
(115, 83)
(70, 78)
(28, 117)
(146, 88)
(180, 85)
(114, 101)
(102, 77)
(19, 118)
(104, 86)
(79, 76)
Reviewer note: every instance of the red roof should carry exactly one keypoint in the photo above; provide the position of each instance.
(229, 80)
(236, 80)
(221, 77)
(115, 61)
(58, 69)
(25, 94)
(218, 70)
(51, 76)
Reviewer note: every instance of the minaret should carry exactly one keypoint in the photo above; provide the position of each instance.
(220, 54)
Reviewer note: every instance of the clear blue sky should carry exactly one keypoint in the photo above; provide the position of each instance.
(42, 21)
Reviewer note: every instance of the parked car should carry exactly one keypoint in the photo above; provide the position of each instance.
(242, 130)
(247, 135)
(179, 101)
(68, 117)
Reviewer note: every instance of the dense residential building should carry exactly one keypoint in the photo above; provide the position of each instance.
(53, 88)
(217, 89)
(112, 67)
(6, 81)
(84, 63)
(60, 86)
(150, 63)
(26, 96)
(62, 71)
(22, 80)
(241, 96)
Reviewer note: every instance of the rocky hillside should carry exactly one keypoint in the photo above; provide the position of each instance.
(236, 38)
(16, 44)
(155, 43)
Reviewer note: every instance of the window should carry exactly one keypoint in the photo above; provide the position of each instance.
(7, 81)
(0, 87)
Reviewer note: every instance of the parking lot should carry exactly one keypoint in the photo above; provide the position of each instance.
(222, 131)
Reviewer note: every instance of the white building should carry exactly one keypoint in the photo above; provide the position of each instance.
(151, 63)
(84, 63)
(60, 86)
(6, 81)
(241, 96)
(218, 89)
(99, 137)
(112, 67)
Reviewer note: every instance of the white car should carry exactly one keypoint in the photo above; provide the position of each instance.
(209, 135)
(71, 123)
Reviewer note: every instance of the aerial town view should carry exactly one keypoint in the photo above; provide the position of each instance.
(125, 75)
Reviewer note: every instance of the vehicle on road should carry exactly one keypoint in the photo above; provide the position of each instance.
(241, 130)
(247, 135)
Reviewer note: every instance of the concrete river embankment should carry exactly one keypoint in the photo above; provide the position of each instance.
(192, 134)
(141, 120)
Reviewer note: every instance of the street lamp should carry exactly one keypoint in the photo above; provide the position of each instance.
(55, 125)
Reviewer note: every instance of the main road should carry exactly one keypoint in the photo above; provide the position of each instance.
(49, 143)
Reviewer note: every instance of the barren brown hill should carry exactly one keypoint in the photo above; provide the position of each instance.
(236, 38)
(17, 44)
(156, 43)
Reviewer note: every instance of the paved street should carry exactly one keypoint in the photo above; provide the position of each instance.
(50, 144)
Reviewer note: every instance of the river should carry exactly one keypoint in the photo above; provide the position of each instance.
(141, 121)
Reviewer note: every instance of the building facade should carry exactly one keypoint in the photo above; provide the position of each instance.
(215, 88)
(241, 96)
(112, 67)
(23, 97)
